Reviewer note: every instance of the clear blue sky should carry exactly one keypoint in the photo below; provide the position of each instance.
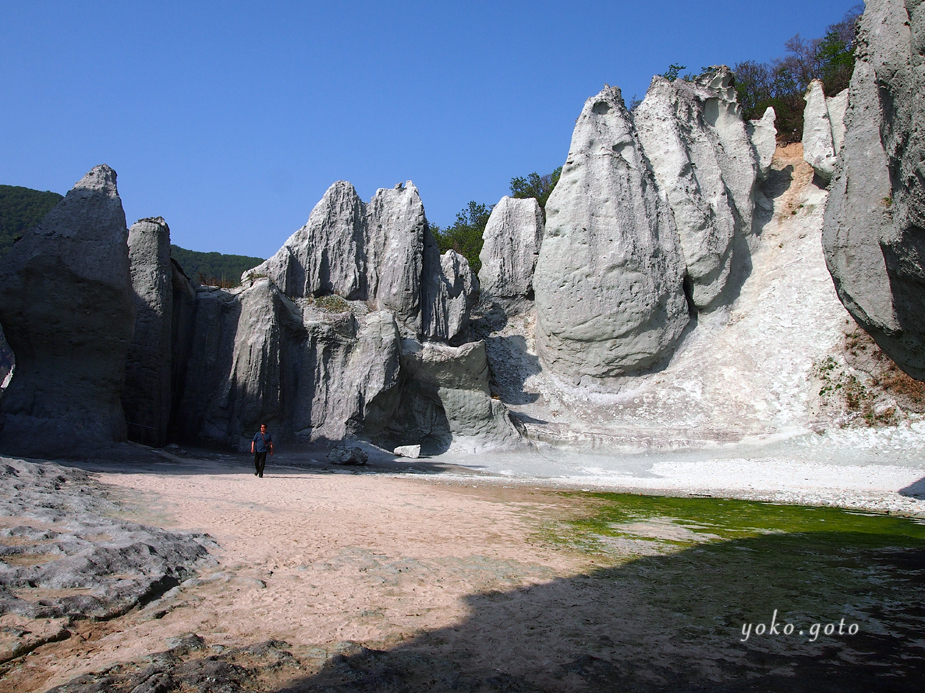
(231, 119)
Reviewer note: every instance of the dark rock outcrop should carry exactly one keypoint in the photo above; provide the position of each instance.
(446, 402)
(313, 369)
(67, 313)
(75, 543)
(874, 234)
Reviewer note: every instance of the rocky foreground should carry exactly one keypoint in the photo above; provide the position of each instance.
(61, 542)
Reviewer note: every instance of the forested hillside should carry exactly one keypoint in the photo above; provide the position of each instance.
(213, 268)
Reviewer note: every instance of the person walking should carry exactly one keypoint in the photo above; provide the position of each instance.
(260, 446)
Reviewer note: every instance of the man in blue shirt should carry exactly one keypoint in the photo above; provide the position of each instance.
(260, 445)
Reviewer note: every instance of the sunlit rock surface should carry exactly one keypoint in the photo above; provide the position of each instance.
(608, 281)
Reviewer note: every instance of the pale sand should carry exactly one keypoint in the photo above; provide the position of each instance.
(315, 559)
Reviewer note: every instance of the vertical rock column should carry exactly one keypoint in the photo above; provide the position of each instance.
(146, 396)
(513, 237)
(67, 312)
(705, 164)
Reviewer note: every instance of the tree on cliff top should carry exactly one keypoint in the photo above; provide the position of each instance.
(782, 82)
(465, 235)
(535, 185)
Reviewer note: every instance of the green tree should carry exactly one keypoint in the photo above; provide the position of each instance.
(782, 82)
(214, 268)
(535, 185)
(673, 71)
(465, 235)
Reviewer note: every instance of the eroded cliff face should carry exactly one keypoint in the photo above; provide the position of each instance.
(873, 237)
(67, 312)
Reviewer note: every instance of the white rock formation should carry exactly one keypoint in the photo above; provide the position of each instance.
(512, 240)
(376, 253)
(67, 313)
(608, 282)
(748, 370)
(763, 135)
(705, 163)
(823, 129)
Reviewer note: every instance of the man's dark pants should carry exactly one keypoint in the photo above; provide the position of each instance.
(260, 461)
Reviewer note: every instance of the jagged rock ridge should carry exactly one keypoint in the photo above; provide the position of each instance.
(382, 253)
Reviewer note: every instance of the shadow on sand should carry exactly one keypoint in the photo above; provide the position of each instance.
(847, 608)
(676, 623)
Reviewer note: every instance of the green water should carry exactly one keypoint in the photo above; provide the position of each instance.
(708, 566)
(713, 519)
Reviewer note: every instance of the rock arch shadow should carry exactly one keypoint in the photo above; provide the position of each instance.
(675, 622)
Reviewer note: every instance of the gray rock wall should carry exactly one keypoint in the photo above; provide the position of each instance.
(450, 291)
(446, 403)
(608, 282)
(146, 396)
(67, 311)
(873, 236)
(183, 316)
